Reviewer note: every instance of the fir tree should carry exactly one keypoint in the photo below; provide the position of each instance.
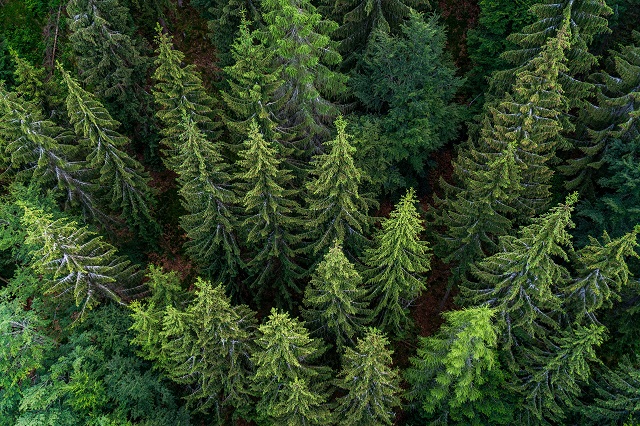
(285, 371)
(74, 261)
(272, 218)
(397, 264)
(337, 212)
(372, 386)
(207, 196)
(299, 38)
(521, 281)
(178, 91)
(453, 378)
(335, 301)
(121, 178)
(602, 272)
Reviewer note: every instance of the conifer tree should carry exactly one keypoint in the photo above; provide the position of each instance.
(272, 220)
(456, 374)
(207, 196)
(39, 152)
(588, 19)
(397, 264)
(108, 57)
(372, 386)
(178, 91)
(299, 38)
(505, 280)
(552, 375)
(337, 212)
(285, 372)
(74, 261)
(335, 300)
(602, 272)
(207, 346)
(255, 82)
(122, 179)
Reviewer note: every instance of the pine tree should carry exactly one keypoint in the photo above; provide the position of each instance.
(39, 152)
(453, 378)
(255, 83)
(284, 368)
(372, 386)
(397, 264)
(207, 346)
(335, 300)
(74, 261)
(602, 272)
(302, 406)
(299, 38)
(178, 91)
(108, 57)
(521, 281)
(207, 196)
(553, 374)
(588, 19)
(337, 212)
(121, 178)
(272, 220)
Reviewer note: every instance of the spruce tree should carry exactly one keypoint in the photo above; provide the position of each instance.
(178, 91)
(121, 178)
(335, 301)
(285, 372)
(74, 261)
(272, 219)
(372, 386)
(299, 38)
(396, 265)
(38, 151)
(455, 377)
(208, 198)
(337, 212)
(602, 272)
(523, 279)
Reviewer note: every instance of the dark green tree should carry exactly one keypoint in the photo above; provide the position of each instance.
(121, 178)
(410, 82)
(396, 266)
(372, 386)
(335, 301)
(456, 377)
(337, 212)
(208, 197)
(299, 37)
(286, 372)
(272, 222)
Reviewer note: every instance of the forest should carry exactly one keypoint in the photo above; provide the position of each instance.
(319, 212)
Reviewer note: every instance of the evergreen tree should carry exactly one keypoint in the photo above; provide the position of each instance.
(299, 38)
(521, 281)
(108, 57)
(255, 83)
(207, 196)
(455, 377)
(552, 376)
(372, 386)
(602, 272)
(285, 373)
(39, 152)
(272, 221)
(178, 91)
(74, 261)
(121, 178)
(397, 264)
(207, 346)
(335, 301)
(337, 212)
